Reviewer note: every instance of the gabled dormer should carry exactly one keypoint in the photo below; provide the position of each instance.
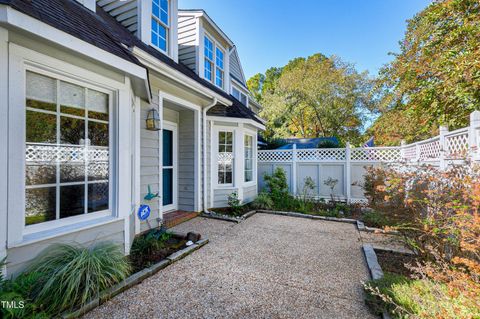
(204, 47)
(152, 21)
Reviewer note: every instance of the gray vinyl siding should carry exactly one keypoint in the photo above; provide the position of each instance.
(187, 36)
(20, 257)
(235, 67)
(149, 162)
(124, 11)
(186, 161)
(220, 196)
(249, 193)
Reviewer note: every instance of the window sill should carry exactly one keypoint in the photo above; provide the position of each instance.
(39, 236)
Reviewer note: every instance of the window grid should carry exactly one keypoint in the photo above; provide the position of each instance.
(48, 154)
(219, 71)
(160, 24)
(248, 158)
(208, 58)
(225, 157)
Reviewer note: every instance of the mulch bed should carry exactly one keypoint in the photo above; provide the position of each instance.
(394, 262)
(140, 262)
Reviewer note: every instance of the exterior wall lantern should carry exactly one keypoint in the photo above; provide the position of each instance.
(153, 120)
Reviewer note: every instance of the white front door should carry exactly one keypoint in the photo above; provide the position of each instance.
(169, 166)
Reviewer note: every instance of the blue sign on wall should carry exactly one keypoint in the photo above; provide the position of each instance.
(143, 212)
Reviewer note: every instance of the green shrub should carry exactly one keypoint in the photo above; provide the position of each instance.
(263, 201)
(74, 274)
(234, 203)
(146, 244)
(21, 290)
(375, 219)
(417, 298)
(278, 189)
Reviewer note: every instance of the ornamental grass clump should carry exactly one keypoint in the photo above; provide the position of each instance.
(72, 275)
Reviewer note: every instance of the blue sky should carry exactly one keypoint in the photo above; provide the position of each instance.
(272, 32)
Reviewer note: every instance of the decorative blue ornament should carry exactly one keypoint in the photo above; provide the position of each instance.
(143, 212)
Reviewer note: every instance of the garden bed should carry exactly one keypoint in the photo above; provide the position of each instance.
(395, 262)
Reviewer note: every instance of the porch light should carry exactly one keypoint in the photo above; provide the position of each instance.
(153, 120)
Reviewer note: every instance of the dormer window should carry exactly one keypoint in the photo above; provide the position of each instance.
(219, 68)
(242, 97)
(160, 24)
(214, 66)
(208, 59)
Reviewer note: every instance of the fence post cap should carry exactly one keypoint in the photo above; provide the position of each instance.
(403, 143)
(475, 116)
(443, 128)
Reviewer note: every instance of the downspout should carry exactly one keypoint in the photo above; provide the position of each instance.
(204, 127)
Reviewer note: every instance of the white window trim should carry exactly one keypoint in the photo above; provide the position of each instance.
(167, 27)
(216, 45)
(240, 92)
(216, 131)
(21, 60)
(253, 134)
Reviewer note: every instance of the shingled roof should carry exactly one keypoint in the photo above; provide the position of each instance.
(102, 30)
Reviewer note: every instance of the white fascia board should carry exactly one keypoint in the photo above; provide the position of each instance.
(164, 69)
(236, 120)
(201, 13)
(24, 22)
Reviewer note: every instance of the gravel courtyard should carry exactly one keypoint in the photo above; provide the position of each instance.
(266, 267)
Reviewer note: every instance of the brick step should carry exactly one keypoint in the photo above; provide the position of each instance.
(177, 217)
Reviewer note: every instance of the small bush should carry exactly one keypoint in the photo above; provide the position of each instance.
(145, 247)
(74, 274)
(277, 187)
(375, 219)
(234, 204)
(263, 201)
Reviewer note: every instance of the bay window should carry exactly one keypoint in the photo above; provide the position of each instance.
(225, 157)
(160, 24)
(67, 171)
(248, 147)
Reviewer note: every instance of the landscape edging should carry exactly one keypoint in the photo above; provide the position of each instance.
(374, 268)
(135, 279)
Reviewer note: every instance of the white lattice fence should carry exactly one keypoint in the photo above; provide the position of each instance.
(376, 154)
(457, 144)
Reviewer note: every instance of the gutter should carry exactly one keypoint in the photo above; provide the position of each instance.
(204, 127)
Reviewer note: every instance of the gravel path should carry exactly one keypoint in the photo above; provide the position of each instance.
(266, 267)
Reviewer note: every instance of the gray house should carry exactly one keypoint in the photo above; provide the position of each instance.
(105, 104)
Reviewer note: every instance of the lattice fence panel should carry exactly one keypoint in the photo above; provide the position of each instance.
(457, 145)
(430, 150)
(54, 153)
(410, 152)
(376, 154)
(321, 154)
(275, 156)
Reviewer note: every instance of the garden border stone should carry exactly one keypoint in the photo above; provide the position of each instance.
(136, 278)
(374, 268)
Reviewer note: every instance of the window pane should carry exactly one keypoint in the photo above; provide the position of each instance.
(42, 105)
(72, 99)
(219, 78)
(72, 172)
(98, 133)
(97, 105)
(37, 173)
(208, 70)
(244, 99)
(155, 9)
(40, 205)
(167, 186)
(162, 40)
(72, 131)
(222, 137)
(97, 197)
(219, 58)
(236, 93)
(41, 88)
(229, 137)
(248, 176)
(98, 171)
(41, 127)
(72, 200)
(228, 177)
(164, 11)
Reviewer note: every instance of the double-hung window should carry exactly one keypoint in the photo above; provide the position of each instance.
(240, 96)
(67, 171)
(225, 157)
(248, 146)
(214, 64)
(208, 59)
(219, 69)
(160, 24)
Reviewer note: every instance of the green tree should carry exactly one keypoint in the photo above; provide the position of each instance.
(313, 97)
(435, 79)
